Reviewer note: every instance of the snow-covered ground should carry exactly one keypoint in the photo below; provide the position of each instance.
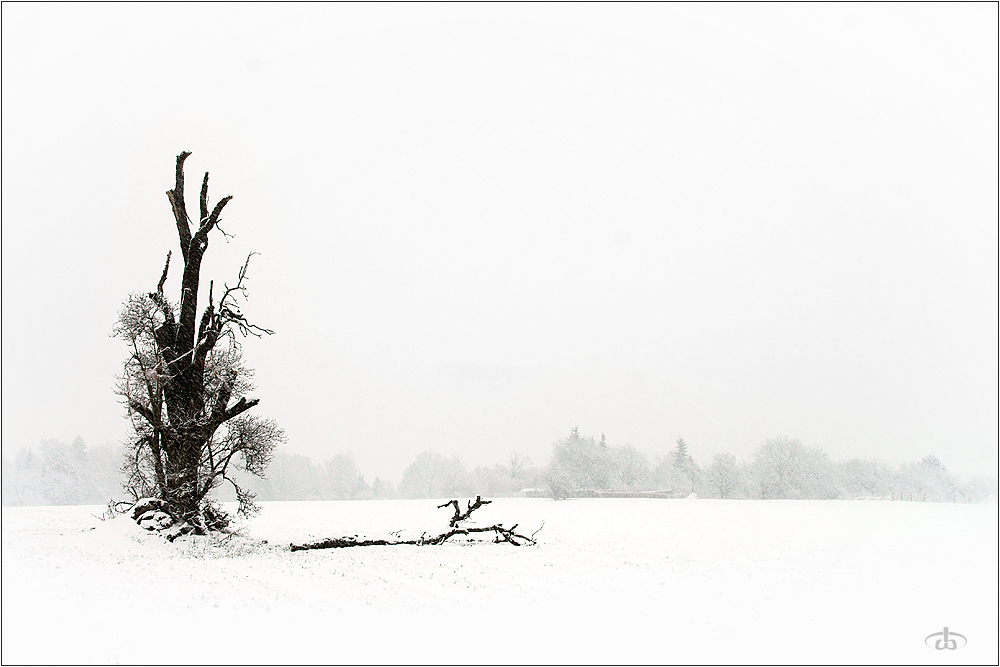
(611, 580)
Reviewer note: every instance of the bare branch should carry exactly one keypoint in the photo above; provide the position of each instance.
(229, 311)
(145, 412)
(176, 197)
(239, 407)
(163, 276)
(192, 275)
(537, 531)
(222, 231)
(205, 328)
(462, 516)
(211, 220)
(203, 201)
(245, 497)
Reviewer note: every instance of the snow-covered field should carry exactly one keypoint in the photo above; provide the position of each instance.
(611, 580)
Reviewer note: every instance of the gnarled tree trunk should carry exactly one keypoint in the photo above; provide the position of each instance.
(182, 386)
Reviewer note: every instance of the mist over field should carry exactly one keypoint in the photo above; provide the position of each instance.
(578, 466)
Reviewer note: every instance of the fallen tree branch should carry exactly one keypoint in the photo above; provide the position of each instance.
(501, 534)
(339, 542)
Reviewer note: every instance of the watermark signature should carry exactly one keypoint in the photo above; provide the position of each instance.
(946, 639)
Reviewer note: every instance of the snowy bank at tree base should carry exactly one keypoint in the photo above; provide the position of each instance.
(611, 581)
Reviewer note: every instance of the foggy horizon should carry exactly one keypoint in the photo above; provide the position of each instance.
(480, 226)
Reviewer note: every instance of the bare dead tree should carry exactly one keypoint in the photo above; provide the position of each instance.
(500, 533)
(184, 384)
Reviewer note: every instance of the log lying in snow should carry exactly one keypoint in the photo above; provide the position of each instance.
(502, 534)
(339, 542)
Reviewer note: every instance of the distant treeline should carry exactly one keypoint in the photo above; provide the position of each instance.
(780, 467)
(581, 466)
(57, 473)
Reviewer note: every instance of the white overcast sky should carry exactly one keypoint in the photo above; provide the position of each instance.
(482, 225)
